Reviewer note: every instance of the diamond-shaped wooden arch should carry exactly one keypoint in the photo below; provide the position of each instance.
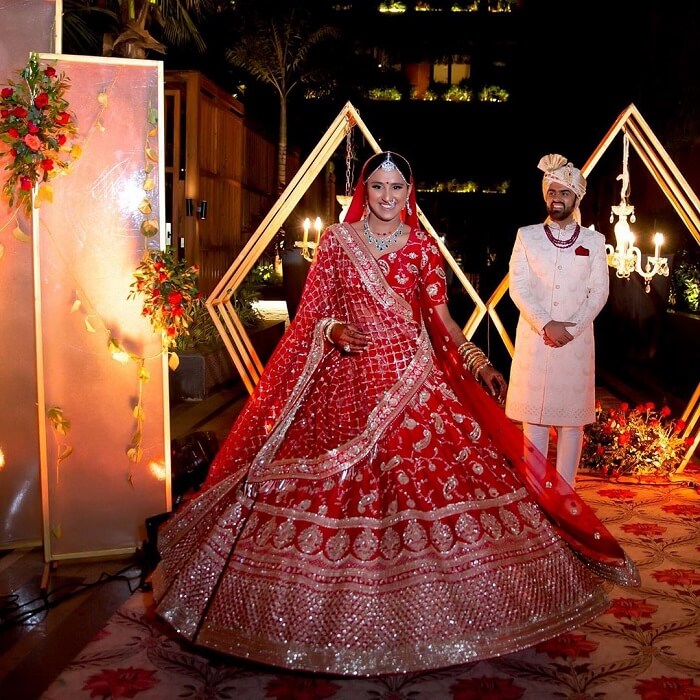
(682, 198)
(220, 302)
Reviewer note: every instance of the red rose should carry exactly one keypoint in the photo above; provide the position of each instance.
(13, 133)
(20, 112)
(624, 406)
(665, 411)
(680, 424)
(32, 128)
(624, 439)
(4, 113)
(47, 164)
(6, 93)
(41, 100)
(62, 118)
(13, 152)
(61, 139)
(25, 183)
(175, 297)
(50, 72)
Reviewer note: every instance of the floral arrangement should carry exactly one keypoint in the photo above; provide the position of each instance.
(636, 441)
(170, 295)
(36, 126)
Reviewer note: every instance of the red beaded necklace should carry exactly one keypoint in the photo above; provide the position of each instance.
(567, 243)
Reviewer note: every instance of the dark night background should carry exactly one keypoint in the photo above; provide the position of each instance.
(574, 68)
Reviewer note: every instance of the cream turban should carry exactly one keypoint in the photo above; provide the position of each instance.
(557, 169)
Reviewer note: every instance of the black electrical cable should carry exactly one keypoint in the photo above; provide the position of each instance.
(20, 614)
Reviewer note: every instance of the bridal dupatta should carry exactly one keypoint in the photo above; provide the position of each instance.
(570, 515)
(317, 412)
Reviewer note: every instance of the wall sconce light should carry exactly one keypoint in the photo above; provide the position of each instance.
(201, 209)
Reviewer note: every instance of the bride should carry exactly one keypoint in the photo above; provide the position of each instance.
(372, 510)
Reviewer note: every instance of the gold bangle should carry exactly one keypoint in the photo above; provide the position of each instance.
(477, 368)
(462, 349)
(329, 328)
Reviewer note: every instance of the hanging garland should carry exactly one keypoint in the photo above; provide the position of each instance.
(37, 127)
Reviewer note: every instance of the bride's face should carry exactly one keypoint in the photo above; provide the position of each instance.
(387, 193)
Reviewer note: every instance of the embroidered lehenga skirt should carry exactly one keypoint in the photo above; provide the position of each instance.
(413, 546)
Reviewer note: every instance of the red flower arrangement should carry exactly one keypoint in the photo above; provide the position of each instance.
(634, 442)
(36, 126)
(170, 294)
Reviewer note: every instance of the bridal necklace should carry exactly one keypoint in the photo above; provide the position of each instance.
(567, 242)
(381, 243)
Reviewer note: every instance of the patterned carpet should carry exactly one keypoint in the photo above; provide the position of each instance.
(646, 646)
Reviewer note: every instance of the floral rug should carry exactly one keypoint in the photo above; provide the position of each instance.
(647, 645)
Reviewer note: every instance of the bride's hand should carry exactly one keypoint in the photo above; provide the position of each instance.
(494, 382)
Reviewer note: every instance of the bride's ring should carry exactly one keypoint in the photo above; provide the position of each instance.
(346, 348)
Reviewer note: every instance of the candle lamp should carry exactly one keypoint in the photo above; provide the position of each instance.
(626, 257)
(308, 247)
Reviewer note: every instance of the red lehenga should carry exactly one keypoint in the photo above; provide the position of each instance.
(376, 512)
